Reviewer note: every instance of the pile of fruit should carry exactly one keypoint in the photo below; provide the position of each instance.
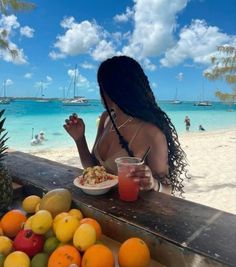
(47, 232)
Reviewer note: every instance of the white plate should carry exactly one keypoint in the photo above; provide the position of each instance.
(98, 189)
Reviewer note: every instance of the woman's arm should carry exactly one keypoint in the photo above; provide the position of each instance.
(152, 175)
(157, 160)
(76, 129)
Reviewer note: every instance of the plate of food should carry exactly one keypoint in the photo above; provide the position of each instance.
(95, 181)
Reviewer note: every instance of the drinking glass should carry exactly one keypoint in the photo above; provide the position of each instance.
(127, 187)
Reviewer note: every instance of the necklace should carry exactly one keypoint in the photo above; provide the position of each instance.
(122, 124)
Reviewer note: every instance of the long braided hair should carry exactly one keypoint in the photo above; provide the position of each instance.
(124, 81)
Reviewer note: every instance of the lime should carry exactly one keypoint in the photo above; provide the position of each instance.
(40, 260)
(51, 244)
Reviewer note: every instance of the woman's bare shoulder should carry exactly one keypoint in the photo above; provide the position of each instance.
(150, 130)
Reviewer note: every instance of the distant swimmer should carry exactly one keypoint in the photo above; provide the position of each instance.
(187, 123)
(42, 136)
(201, 128)
(35, 141)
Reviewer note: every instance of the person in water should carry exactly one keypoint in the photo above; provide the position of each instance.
(201, 128)
(131, 124)
(187, 123)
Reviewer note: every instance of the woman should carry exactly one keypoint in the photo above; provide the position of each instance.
(131, 124)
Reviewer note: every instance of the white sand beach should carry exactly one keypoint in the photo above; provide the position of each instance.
(212, 165)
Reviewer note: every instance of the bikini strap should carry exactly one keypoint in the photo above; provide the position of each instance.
(136, 133)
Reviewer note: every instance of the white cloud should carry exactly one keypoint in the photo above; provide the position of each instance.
(180, 76)
(49, 79)
(87, 65)
(28, 75)
(103, 50)
(7, 56)
(8, 82)
(197, 42)
(27, 31)
(9, 24)
(78, 39)
(149, 65)
(81, 81)
(54, 55)
(124, 17)
(154, 24)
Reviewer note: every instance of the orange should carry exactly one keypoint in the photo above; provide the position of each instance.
(98, 256)
(65, 256)
(12, 222)
(1, 230)
(95, 224)
(134, 252)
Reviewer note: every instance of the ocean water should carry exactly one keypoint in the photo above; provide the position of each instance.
(25, 118)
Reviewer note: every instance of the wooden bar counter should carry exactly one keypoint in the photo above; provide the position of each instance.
(179, 233)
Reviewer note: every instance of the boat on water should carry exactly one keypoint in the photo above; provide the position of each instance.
(76, 100)
(203, 103)
(42, 99)
(176, 100)
(4, 100)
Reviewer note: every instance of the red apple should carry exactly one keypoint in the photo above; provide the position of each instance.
(28, 242)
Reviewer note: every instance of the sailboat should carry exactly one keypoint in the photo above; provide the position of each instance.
(176, 101)
(76, 100)
(4, 100)
(203, 103)
(42, 99)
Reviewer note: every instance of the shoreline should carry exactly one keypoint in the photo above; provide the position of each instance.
(211, 156)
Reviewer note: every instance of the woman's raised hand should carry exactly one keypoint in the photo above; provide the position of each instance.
(143, 175)
(75, 127)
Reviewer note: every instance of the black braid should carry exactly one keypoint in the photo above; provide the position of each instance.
(124, 144)
(124, 81)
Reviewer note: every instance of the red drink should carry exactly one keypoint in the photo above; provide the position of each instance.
(128, 188)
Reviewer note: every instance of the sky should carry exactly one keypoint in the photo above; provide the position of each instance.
(173, 40)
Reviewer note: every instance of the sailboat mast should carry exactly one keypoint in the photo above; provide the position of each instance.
(75, 79)
(4, 88)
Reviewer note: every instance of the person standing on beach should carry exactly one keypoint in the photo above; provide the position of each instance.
(187, 123)
(131, 124)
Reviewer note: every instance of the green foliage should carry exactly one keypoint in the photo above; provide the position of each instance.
(3, 138)
(7, 7)
(11, 6)
(224, 68)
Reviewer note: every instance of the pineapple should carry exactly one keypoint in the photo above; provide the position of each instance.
(6, 190)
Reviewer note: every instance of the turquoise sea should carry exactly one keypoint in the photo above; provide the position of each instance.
(26, 116)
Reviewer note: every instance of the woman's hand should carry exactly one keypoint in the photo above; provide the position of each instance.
(143, 175)
(75, 127)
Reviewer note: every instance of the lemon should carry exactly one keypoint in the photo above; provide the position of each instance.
(27, 224)
(66, 228)
(77, 213)
(5, 245)
(17, 259)
(41, 222)
(57, 219)
(84, 237)
(50, 244)
(29, 203)
(40, 260)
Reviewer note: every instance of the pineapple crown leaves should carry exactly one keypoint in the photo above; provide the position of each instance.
(3, 138)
